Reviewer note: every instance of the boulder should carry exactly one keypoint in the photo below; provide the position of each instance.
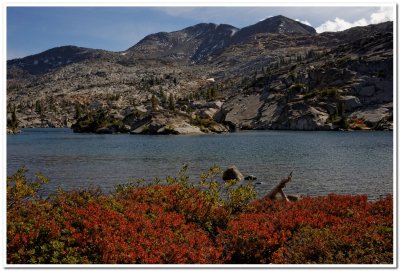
(185, 129)
(384, 85)
(232, 173)
(117, 116)
(218, 128)
(372, 116)
(142, 109)
(331, 108)
(350, 102)
(348, 75)
(207, 113)
(197, 104)
(307, 118)
(215, 104)
(277, 85)
(367, 91)
(140, 129)
(154, 126)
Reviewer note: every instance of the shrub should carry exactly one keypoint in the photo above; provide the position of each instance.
(21, 190)
(357, 123)
(203, 123)
(177, 221)
(323, 92)
(333, 229)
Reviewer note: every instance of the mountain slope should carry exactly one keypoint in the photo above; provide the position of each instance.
(276, 74)
(56, 58)
(192, 43)
(201, 41)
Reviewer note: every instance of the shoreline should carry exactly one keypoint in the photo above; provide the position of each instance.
(20, 130)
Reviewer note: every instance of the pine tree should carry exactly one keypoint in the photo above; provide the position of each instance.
(171, 102)
(13, 124)
(163, 97)
(154, 103)
(38, 107)
(213, 94)
(78, 111)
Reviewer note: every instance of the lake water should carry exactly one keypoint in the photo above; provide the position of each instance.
(322, 162)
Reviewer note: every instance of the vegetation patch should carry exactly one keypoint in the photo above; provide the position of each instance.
(203, 123)
(357, 124)
(181, 222)
(329, 92)
(95, 120)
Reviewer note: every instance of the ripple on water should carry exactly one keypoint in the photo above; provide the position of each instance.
(322, 162)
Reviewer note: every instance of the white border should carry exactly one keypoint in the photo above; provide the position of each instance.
(182, 3)
(197, 3)
(395, 137)
(3, 144)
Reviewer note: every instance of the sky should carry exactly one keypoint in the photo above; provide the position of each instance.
(31, 30)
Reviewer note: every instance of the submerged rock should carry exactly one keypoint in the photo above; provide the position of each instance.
(250, 178)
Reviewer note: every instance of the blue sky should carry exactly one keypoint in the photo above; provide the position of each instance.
(31, 30)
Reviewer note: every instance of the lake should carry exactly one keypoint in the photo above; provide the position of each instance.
(322, 162)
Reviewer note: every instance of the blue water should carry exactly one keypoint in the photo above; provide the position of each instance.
(322, 162)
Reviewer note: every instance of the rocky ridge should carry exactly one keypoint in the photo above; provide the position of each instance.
(276, 74)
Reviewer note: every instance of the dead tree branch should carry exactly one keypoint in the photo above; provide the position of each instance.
(278, 188)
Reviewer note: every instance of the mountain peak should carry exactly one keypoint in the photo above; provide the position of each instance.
(276, 24)
(282, 24)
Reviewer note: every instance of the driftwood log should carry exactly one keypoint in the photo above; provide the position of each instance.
(278, 189)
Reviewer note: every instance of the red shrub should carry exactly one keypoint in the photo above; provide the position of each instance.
(332, 229)
(180, 224)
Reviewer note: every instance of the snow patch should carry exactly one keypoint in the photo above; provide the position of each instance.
(303, 22)
(233, 32)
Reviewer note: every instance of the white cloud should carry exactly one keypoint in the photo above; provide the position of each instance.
(339, 25)
(382, 15)
(303, 22)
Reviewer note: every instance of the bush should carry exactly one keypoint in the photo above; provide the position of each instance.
(178, 222)
(203, 123)
(333, 229)
(357, 124)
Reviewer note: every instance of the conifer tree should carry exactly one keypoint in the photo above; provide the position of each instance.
(171, 102)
